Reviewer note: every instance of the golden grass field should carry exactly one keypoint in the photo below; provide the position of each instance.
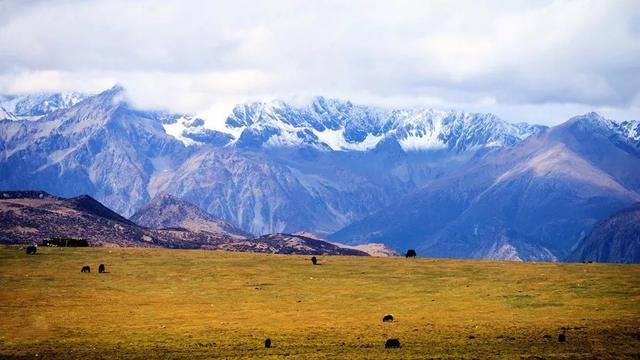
(157, 303)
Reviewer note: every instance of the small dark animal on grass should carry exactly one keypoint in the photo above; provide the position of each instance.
(86, 269)
(392, 344)
(387, 318)
(267, 343)
(31, 250)
(411, 253)
(101, 269)
(314, 260)
(562, 338)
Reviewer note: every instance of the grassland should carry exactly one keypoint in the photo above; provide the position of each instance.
(157, 303)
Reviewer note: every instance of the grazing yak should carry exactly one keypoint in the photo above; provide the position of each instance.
(32, 249)
(314, 260)
(411, 253)
(387, 318)
(85, 269)
(101, 269)
(267, 343)
(392, 344)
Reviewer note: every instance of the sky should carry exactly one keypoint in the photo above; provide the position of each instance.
(535, 61)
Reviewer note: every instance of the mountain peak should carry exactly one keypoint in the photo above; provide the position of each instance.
(114, 95)
(592, 117)
(168, 211)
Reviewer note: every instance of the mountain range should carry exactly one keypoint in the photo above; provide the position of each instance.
(534, 200)
(447, 183)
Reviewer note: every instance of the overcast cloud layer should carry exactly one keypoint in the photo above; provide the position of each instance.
(537, 61)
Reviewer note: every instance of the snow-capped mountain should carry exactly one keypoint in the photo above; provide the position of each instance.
(336, 125)
(34, 106)
(99, 146)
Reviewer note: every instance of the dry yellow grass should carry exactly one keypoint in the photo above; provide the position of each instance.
(157, 303)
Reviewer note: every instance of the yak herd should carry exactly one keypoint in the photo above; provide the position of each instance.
(33, 249)
(87, 269)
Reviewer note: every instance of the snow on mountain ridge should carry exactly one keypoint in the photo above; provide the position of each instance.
(34, 106)
(342, 126)
(326, 124)
(4, 114)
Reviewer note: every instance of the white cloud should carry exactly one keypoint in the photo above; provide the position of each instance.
(533, 61)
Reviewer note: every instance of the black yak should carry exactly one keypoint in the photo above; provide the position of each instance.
(387, 318)
(85, 269)
(411, 253)
(101, 269)
(392, 344)
(267, 343)
(31, 249)
(314, 260)
(562, 338)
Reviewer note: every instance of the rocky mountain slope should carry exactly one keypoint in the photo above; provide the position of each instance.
(28, 217)
(32, 216)
(532, 201)
(615, 239)
(99, 146)
(291, 244)
(166, 211)
(373, 249)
